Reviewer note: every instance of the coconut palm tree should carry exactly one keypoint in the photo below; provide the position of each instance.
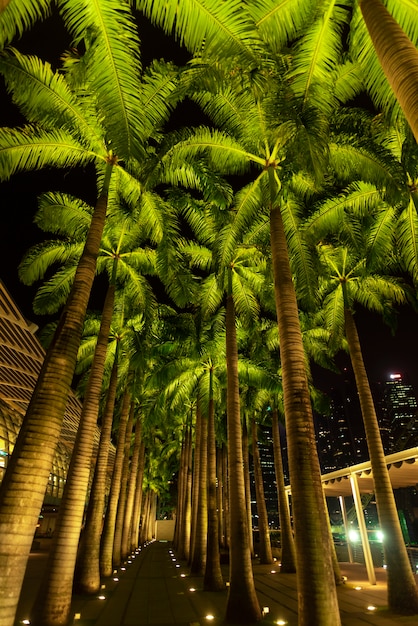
(396, 52)
(53, 104)
(350, 281)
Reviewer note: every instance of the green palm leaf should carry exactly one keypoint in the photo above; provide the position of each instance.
(19, 15)
(113, 67)
(216, 28)
(44, 97)
(32, 149)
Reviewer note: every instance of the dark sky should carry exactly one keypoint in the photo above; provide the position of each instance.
(383, 352)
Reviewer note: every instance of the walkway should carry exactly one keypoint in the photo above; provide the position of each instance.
(154, 588)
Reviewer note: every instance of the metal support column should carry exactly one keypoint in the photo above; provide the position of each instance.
(362, 528)
(346, 527)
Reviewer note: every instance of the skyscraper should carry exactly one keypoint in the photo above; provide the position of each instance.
(400, 409)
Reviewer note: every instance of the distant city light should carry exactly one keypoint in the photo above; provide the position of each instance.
(395, 376)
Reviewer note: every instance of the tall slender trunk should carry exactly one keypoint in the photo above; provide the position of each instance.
(402, 588)
(245, 455)
(225, 497)
(196, 470)
(198, 563)
(181, 494)
(108, 534)
(22, 490)
(136, 515)
(87, 574)
(120, 514)
(242, 604)
(219, 497)
(130, 495)
(266, 555)
(53, 603)
(145, 517)
(397, 55)
(317, 594)
(212, 580)
(288, 555)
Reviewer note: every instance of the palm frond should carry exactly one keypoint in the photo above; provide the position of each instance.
(18, 16)
(45, 98)
(41, 257)
(65, 215)
(53, 294)
(279, 21)
(407, 235)
(300, 252)
(210, 295)
(113, 67)
(318, 52)
(219, 29)
(29, 148)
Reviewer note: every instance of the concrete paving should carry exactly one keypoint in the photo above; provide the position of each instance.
(154, 588)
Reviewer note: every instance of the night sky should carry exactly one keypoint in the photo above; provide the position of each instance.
(383, 353)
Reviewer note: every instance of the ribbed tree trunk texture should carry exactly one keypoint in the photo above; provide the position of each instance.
(242, 604)
(53, 603)
(22, 490)
(317, 595)
(402, 588)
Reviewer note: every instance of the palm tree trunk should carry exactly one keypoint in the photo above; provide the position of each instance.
(22, 490)
(245, 456)
(120, 514)
(198, 563)
(136, 516)
(402, 588)
(317, 593)
(127, 522)
(219, 498)
(212, 580)
(242, 604)
(397, 56)
(87, 573)
(106, 547)
(288, 554)
(181, 494)
(266, 555)
(145, 517)
(53, 604)
(195, 480)
(225, 497)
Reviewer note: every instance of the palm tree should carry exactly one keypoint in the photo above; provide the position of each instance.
(351, 280)
(53, 104)
(397, 55)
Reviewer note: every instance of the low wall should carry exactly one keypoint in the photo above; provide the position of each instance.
(164, 530)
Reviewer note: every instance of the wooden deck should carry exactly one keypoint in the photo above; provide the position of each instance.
(155, 588)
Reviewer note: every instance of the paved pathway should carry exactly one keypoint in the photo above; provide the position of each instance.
(153, 588)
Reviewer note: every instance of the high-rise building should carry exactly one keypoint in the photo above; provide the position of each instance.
(400, 410)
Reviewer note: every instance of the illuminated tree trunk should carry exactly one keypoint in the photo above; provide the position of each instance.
(198, 563)
(242, 605)
(317, 595)
(136, 516)
(397, 56)
(133, 472)
(53, 603)
(120, 514)
(22, 491)
(288, 555)
(402, 588)
(108, 534)
(87, 575)
(212, 580)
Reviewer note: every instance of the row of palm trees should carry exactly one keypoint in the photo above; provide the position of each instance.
(240, 218)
